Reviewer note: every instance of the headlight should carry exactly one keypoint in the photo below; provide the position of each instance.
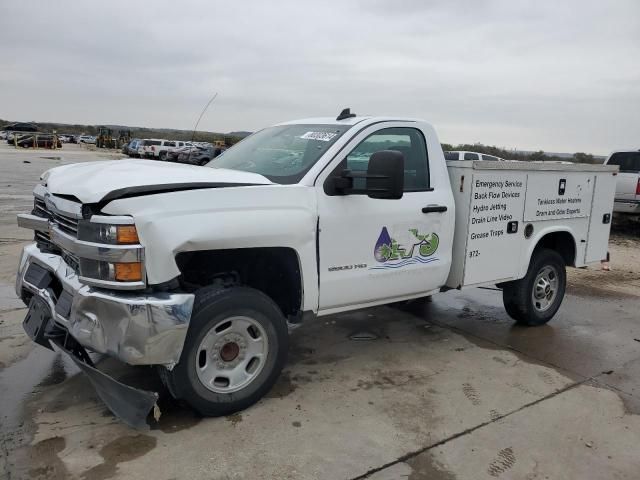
(109, 234)
(111, 272)
(106, 233)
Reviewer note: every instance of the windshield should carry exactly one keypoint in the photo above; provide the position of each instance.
(284, 153)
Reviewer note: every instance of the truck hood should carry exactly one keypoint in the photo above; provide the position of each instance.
(94, 182)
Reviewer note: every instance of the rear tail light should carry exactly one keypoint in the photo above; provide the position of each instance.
(638, 187)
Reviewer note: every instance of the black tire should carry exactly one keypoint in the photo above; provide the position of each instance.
(162, 156)
(519, 297)
(204, 161)
(213, 305)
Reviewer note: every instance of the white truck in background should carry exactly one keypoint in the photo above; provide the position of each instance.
(465, 155)
(201, 271)
(627, 198)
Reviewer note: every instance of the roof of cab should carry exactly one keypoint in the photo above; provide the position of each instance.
(348, 121)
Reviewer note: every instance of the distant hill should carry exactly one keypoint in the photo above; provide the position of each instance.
(240, 134)
(527, 156)
(564, 155)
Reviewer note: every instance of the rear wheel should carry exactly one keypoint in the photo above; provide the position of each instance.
(535, 299)
(235, 348)
(162, 156)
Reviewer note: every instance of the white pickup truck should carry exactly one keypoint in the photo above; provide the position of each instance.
(201, 271)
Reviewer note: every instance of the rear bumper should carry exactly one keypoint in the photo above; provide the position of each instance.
(138, 329)
(627, 206)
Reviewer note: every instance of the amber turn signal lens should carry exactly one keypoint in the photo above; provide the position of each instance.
(128, 272)
(127, 234)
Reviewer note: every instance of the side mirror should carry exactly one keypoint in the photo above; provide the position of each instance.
(383, 179)
(385, 175)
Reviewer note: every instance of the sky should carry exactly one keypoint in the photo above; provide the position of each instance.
(560, 76)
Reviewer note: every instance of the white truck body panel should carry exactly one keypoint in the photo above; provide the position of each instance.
(351, 226)
(206, 219)
(496, 201)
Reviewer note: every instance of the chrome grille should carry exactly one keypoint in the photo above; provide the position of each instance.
(39, 208)
(71, 260)
(66, 224)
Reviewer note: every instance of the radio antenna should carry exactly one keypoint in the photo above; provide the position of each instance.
(195, 128)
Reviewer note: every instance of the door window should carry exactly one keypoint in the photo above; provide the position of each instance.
(409, 141)
(471, 156)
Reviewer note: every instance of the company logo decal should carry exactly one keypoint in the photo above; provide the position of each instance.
(392, 254)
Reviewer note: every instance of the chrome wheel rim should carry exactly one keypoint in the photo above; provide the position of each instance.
(545, 288)
(232, 354)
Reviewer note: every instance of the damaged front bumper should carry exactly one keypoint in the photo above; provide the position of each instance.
(136, 328)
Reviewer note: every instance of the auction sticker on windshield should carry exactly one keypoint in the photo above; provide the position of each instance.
(322, 136)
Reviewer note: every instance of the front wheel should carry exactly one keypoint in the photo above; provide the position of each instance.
(535, 299)
(235, 349)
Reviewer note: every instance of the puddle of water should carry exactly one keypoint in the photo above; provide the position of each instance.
(25, 378)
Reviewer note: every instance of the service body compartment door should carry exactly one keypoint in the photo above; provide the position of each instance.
(600, 221)
(558, 195)
(495, 237)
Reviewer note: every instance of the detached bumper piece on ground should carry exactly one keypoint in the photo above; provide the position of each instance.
(130, 404)
(60, 313)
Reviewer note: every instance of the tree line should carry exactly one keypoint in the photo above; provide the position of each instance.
(540, 155)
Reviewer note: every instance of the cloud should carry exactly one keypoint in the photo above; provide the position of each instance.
(556, 76)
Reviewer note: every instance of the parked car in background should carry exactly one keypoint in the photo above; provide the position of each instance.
(627, 199)
(463, 155)
(179, 146)
(158, 148)
(39, 141)
(3, 135)
(199, 155)
(145, 147)
(173, 153)
(131, 148)
(87, 139)
(13, 137)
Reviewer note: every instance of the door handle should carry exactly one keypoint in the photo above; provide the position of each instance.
(434, 209)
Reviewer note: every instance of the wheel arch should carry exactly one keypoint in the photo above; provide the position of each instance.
(275, 271)
(559, 239)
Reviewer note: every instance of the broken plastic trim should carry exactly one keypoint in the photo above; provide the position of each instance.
(131, 405)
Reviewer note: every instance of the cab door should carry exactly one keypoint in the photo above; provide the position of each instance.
(373, 251)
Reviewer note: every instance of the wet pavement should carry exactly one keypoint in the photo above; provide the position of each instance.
(444, 390)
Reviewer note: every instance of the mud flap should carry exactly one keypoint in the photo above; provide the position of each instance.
(131, 405)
